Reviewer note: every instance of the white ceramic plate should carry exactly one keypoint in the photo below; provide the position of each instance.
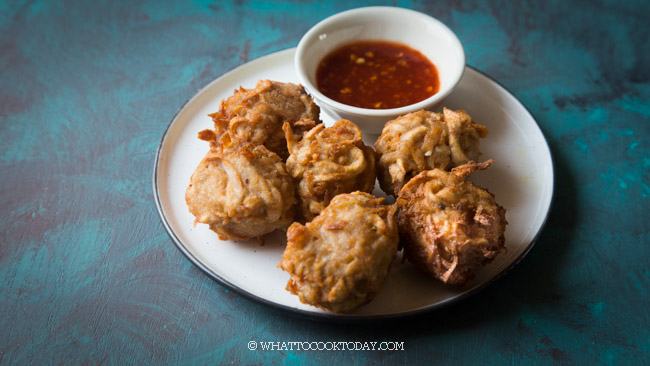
(521, 179)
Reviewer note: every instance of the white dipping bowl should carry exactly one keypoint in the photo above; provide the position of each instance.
(414, 29)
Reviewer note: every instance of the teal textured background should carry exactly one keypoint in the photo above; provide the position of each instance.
(88, 274)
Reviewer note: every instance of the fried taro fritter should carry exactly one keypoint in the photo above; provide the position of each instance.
(256, 115)
(448, 226)
(425, 140)
(339, 260)
(327, 162)
(241, 192)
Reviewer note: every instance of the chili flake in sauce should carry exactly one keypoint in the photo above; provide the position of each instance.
(377, 75)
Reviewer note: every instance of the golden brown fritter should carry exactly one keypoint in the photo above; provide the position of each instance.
(327, 162)
(448, 226)
(256, 115)
(339, 260)
(425, 140)
(241, 192)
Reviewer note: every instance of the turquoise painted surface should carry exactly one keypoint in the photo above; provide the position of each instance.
(88, 274)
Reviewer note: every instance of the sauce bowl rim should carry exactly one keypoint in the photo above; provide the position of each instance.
(314, 32)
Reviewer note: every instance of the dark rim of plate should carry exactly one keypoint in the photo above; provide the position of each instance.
(325, 315)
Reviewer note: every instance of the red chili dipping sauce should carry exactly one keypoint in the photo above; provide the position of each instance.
(377, 75)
